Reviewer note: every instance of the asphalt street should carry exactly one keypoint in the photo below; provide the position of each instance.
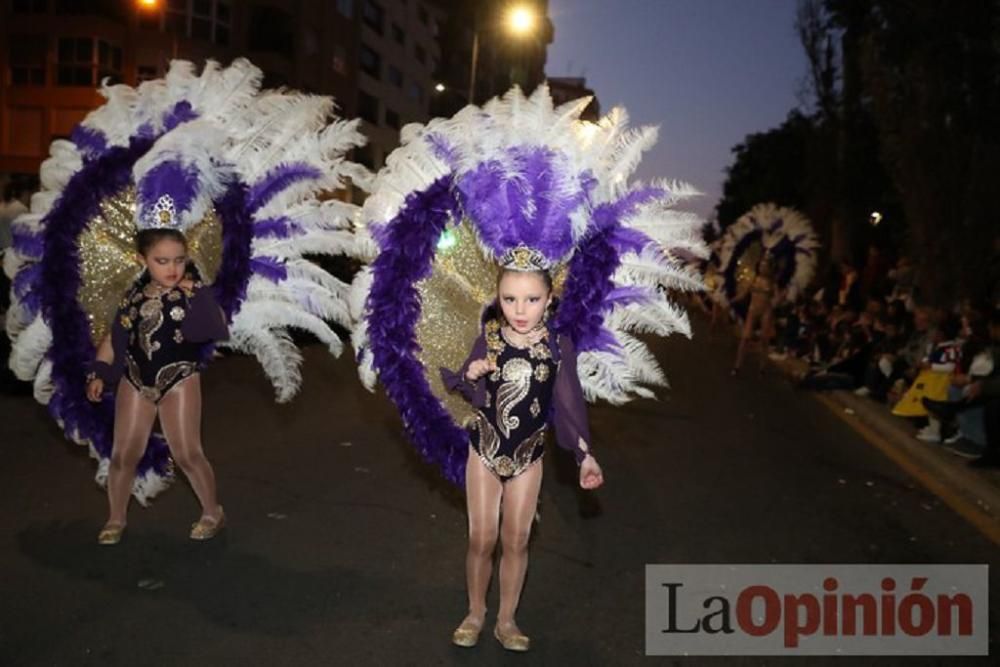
(344, 549)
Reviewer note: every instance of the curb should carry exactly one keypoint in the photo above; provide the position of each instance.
(973, 493)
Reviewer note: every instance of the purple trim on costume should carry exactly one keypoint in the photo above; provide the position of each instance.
(59, 278)
(590, 293)
(170, 177)
(26, 242)
(230, 286)
(89, 141)
(277, 180)
(783, 256)
(269, 267)
(181, 113)
(275, 228)
(583, 306)
(776, 225)
(408, 244)
(523, 199)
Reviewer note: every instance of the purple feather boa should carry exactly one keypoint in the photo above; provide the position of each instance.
(590, 293)
(407, 247)
(277, 180)
(59, 278)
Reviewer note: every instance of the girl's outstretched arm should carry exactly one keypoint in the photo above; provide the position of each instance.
(473, 392)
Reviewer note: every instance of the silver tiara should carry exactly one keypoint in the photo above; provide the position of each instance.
(163, 215)
(523, 258)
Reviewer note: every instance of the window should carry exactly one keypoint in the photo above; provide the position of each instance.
(373, 16)
(27, 60)
(421, 54)
(30, 6)
(416, 92)
(80, 64)
(271, 31)
(368, 107)
(340, 59)
(371, 62)
(398, 35)
(346, 8)
(394, 76)
(109, 61)
(76, 61)
(207, 20)
(392, 119)
(148, 72)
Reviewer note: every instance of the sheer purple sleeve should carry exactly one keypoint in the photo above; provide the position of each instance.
(112, 373)
(473, 392)
(204, 321)
(569, 411)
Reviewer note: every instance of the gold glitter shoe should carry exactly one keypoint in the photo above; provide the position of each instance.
(206, 528)
(111, 534)
(466, 635)
(515, 641)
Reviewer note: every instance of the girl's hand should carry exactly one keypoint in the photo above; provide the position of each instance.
(591, 476)
(94, 390)
(186, 283)
(479, 368)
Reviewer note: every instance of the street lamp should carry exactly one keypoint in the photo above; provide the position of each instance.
(520, 21)
(439, 87)
(148, 4)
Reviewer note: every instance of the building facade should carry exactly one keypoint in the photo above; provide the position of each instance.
(55, 53)
(398, 55)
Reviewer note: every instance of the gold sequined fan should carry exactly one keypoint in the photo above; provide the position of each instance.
(109, 264)
(463, 282)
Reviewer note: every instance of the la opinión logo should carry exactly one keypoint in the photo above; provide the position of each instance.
(816, 609)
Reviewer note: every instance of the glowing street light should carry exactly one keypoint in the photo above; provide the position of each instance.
(147, 4)
(521, 20)
(439, 87)
(875, 218)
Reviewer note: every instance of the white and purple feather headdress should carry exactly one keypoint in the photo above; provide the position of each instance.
(517, 177)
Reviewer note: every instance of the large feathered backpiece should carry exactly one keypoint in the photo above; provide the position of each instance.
(780, 235)
(457, 195)
(242, 172)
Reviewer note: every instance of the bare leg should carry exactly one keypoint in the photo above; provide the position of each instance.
(180, 416)
(766, 333)
(747, 334)
(483, 493)
(134, 417)
(520, 499)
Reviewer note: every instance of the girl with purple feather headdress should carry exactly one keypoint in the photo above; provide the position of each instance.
(218, 185)
(473, 229)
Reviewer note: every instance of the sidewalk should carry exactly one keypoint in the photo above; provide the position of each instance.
(972, 492)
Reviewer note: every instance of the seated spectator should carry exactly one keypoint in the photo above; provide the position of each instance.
(934, 379)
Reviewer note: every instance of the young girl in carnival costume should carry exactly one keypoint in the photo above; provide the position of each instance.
(767, 256)
(473, 228)
(216, 184)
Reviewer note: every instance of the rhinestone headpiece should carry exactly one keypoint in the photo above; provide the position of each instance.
(163, 215)
(523, 258)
